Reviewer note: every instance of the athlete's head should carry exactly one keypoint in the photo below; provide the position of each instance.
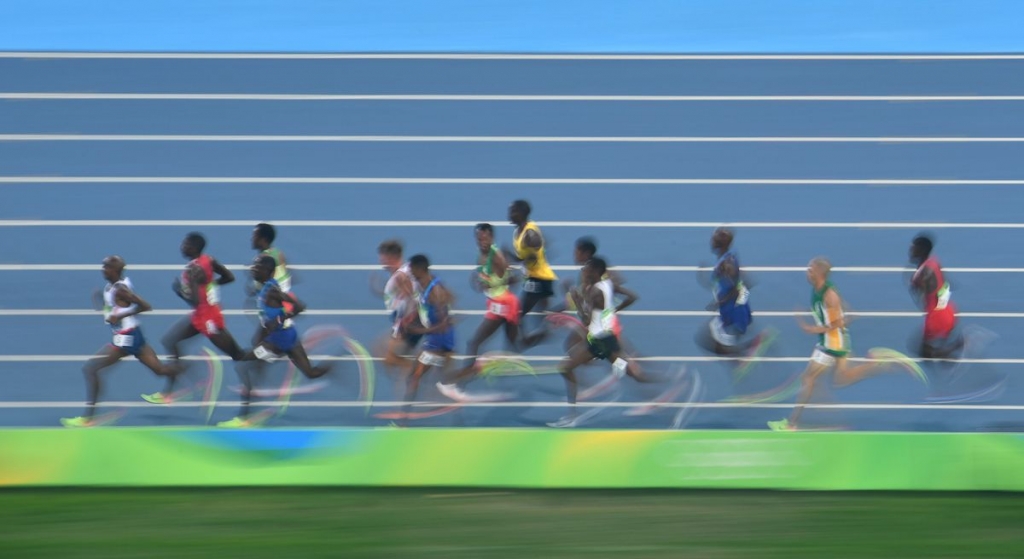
(921, 248)
(263, 268)
(519, 212)
(193, 245)
(818, 270)
(721, 240)
(263, 236)
(390, 254)
(112, 268)
(419, 266)
(586, 248)
(594, 269)
(484, 236)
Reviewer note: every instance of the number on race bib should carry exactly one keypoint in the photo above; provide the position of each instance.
(531, 286)
(124, 340)
(497, 308)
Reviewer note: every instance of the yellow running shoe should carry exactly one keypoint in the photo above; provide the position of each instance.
(781, 425)
(76, 422)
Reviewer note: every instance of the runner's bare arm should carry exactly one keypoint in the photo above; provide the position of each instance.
(834, 307)
(441, 299)
(297, 305)
(125, 294)
(141, 305)
(499, 264)
(925, 281)
(729, 270)
(594, 302)
(533, 239)
(630, 297)
(196, 277)
(226, 276)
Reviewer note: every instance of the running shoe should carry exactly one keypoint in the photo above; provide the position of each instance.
(566, 422)
(452, 392)
(76, 422)
(781, 425)
(157, 398)
(94, 421)
(244, 422)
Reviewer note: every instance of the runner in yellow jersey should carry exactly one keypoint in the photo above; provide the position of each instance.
(528, 248)
(493, 278)
(833, 347)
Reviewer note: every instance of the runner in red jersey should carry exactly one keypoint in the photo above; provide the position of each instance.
(199, 287)
(940, 339)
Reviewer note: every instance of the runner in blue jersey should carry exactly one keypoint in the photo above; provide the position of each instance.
(276, 338)
(726, 332)
(435, 324)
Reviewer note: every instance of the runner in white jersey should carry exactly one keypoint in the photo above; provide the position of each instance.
(596, 303)
(400, 294)
(121, 305)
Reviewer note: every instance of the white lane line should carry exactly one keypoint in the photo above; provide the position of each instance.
(469, 268)
(495, 180)
(486, 56)
(502, 222)
(531, 358)
(424, 404)
(126, 96)
(499, 139)
(384, 312)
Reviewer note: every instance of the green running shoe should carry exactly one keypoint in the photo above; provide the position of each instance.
(157, 398)
(76, 422)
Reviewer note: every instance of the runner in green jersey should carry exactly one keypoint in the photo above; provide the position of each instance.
(493, 278)
(833, 346)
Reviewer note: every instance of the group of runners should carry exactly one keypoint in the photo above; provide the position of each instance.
(422, 331)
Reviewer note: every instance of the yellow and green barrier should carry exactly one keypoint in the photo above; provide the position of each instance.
(154, 457)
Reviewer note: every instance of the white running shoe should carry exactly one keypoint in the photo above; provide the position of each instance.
(566, 422)
(452, 392)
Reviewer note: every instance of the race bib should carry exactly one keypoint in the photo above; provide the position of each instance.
(943, 295)
(432, 359)
(211, 327)
(124, 340)
(742, 295)
(264, 354)
(531, 286)
(497, 308)
(213, 294)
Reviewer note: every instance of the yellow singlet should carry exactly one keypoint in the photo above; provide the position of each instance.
(539, 268)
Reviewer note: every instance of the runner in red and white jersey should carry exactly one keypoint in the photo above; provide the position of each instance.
(199, 286)
(941, 338)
